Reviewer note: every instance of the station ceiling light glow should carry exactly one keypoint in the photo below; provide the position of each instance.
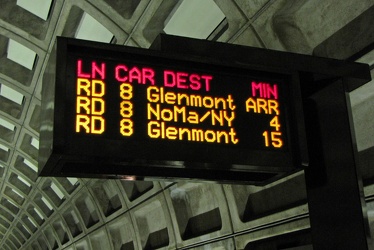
(90, 29)
(21, 54)
(11, 94)
(39, 8)
(194, 18)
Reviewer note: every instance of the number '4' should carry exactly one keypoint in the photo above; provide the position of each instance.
(275, 123)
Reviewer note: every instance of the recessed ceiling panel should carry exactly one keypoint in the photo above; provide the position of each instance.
(31, 165)
(39, 8)
(35, 143)
(4, 148)
(7, 124)
(90, 29)
(195, 19)
(11, 94)
(21, 54)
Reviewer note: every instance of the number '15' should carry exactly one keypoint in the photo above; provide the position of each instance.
(274, 138)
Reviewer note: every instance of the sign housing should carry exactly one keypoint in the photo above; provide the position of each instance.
(121, 112)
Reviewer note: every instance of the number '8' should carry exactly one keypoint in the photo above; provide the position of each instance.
(126, 124)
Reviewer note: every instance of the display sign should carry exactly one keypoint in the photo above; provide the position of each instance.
(195, 107)
(122, 111)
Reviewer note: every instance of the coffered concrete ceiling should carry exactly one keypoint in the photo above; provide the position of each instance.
(72, 213)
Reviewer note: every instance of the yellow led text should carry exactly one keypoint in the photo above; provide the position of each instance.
(180, 114)
(160, 130)
(261, 105)
(166, 110)
(90, 106)
(156, 94)
(126, 109)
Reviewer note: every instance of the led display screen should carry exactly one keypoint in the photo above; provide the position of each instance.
(133, 112)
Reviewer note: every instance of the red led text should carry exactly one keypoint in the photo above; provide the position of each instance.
(134, 74)
(183, 80)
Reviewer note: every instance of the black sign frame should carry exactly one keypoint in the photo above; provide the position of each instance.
(65, 154)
